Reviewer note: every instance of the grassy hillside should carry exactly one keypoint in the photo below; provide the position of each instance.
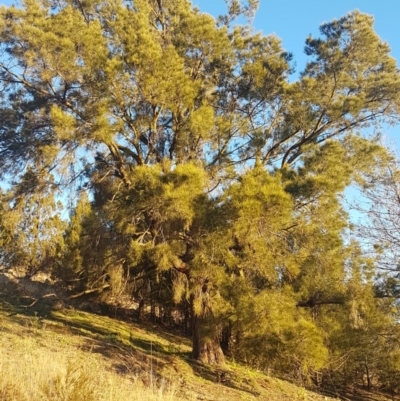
(74, 355)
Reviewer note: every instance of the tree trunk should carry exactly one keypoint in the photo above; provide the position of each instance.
(206, 339)
(140, 311)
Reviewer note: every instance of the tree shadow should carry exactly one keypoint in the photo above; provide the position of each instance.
(225, 377)
(126, 344)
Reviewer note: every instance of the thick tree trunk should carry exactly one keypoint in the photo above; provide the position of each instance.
(206, 344)
(206, 339)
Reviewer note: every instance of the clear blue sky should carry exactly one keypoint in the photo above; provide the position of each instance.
(293, 20)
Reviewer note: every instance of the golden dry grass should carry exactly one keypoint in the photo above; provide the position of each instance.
(40, 360)
(31, 370)
(77, 356)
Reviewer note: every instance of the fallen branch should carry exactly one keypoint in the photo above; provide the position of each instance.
(39, 299)
(80, 294)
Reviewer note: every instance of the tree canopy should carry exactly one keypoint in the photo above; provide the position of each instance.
(202, 181)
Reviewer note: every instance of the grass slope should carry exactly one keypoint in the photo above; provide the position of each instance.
(70, 355)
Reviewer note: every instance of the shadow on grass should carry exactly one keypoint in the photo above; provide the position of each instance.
(141, 349)
(224, 377)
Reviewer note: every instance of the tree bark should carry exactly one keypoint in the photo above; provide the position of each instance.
(206, 338)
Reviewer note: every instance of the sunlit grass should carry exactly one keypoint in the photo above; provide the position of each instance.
(71, 355)
(37, 363)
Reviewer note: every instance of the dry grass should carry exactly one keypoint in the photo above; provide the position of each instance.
(76, 356)
(31, 372)
(37, 363)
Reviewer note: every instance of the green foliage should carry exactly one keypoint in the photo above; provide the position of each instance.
(72, 261)
(210, 185)
(32, 230)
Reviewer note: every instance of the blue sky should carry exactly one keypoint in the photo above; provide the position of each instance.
(293, 20)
